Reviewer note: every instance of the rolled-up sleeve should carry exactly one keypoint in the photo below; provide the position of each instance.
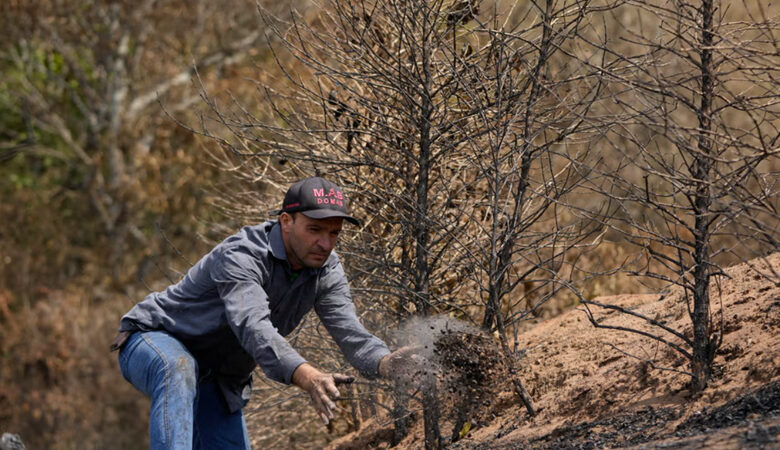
(336, 310)
(239, 283)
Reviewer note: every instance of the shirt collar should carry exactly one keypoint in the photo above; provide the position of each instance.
(277, 244)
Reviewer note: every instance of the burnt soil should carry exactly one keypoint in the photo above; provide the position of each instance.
(598, 388)
(754, 412)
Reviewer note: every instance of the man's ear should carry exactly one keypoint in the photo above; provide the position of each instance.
(286, 219)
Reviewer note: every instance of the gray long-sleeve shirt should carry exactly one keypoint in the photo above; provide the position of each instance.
(234, 306)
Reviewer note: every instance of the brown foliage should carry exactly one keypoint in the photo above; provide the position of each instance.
(60, 388)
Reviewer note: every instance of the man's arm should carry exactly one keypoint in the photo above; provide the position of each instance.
(362, 349)
(335, 309)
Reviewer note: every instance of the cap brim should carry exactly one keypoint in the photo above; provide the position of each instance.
(328, 214)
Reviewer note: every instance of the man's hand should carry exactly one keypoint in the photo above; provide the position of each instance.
(405, 364)
(322, 387)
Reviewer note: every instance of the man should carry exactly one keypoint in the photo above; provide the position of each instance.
(192, 347)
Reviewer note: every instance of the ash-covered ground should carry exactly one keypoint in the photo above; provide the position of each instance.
(594, 388)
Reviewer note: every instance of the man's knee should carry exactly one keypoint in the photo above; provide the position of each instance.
(183, 374)
(172, 372)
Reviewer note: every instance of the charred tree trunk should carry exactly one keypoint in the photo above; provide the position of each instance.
(703, 344)
(430, 401)
(517, 384)
(400, 413)
(354, 406)
(431, 412)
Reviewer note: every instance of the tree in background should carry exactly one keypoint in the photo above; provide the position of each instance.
(89, 163)
(80, 104)
(697, 122)
(443, 119)
(533, 93)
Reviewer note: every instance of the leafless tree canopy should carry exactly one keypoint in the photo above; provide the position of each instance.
(454, 126)
(694, 180)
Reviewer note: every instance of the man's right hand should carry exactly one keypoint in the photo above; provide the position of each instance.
(322, 388)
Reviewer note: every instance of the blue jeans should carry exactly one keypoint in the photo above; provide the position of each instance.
(184, 414)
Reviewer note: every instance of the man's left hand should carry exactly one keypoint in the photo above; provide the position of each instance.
(404, 364)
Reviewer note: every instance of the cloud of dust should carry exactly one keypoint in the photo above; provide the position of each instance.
(424, 331)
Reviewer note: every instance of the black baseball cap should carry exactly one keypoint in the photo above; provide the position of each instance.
(316, 198)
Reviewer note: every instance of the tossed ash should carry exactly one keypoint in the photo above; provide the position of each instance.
(471, 371)
(466, 364)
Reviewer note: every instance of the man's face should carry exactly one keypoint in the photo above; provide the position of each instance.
(308, 242)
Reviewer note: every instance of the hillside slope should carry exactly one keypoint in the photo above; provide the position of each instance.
(597, 388)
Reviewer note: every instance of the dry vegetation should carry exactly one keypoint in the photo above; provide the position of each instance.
(512, 159)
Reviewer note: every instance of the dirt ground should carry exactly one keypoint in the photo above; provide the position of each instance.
(598, 388)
